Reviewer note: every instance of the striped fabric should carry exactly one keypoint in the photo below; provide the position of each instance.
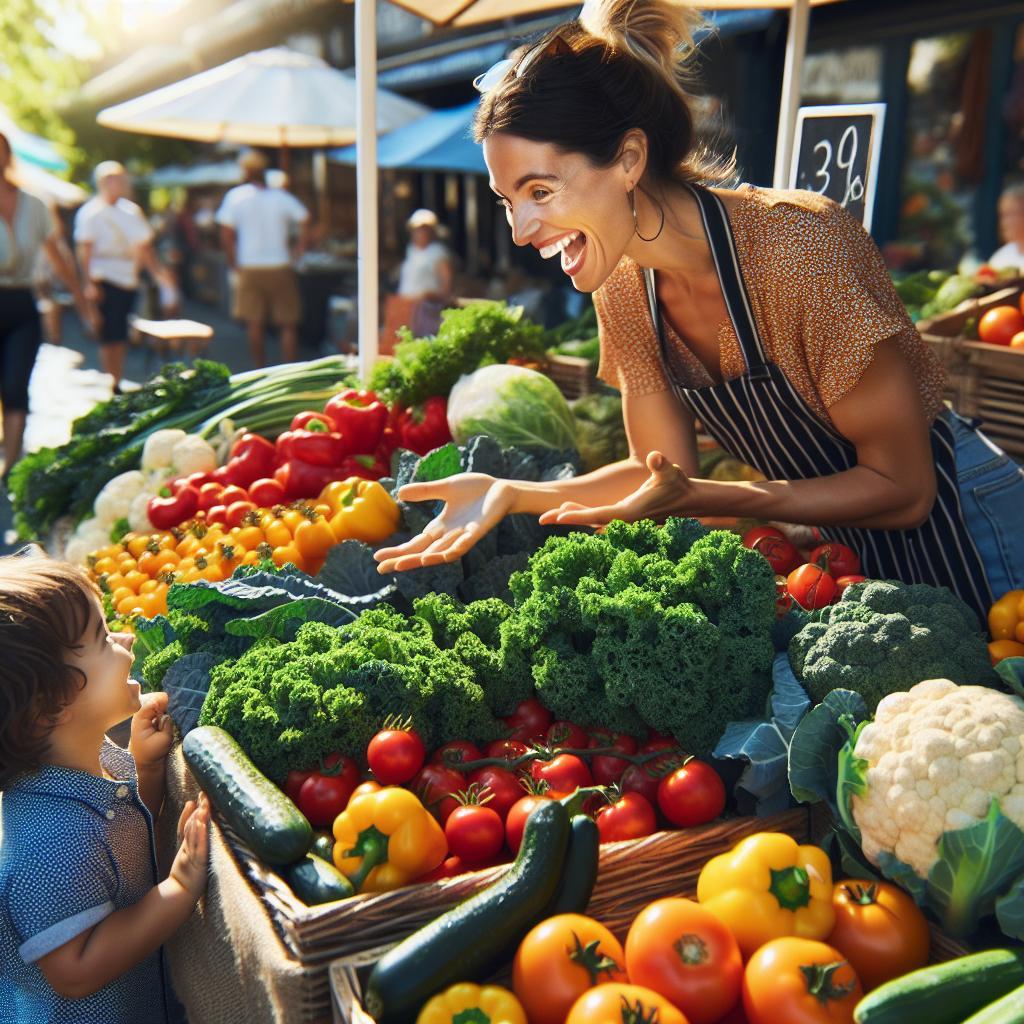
(760, 418)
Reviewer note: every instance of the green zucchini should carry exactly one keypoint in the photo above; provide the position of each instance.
(944, 993)
(471, 940)
(1008, 1010)
(579, 875)
(315, 881)
(262, 816)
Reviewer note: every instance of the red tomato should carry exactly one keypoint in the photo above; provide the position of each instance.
(505, 786)
(810, 586)
(835, 559)
(752, 536)
(293, 783)
(232, 494)
(564, 774)
(326, 793)
(605, 768)
(516, 820)
(646, 778)
(1000, 324)
(692, 795)
(266, 492)
(237, 511)
(475, 833)
(845, 581)
(395, 756)
(529, 721)
(565, 734)
(509, 750)
(782, 556)
(682, 951)
(1017, 341)
(630, 817)
(217, 514)
(209, 495)
(451, 867)
(456, 752)
(435, 785)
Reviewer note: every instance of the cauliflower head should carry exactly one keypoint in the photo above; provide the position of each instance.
(937, 756)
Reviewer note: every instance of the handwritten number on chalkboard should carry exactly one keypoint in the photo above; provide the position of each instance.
(822, 171)
(845, 159)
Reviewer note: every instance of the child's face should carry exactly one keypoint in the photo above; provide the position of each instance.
(106, 658)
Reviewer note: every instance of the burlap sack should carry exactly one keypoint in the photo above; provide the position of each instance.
(227, 964)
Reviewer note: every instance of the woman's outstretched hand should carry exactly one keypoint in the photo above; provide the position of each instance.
(474, 503)
(664, 493)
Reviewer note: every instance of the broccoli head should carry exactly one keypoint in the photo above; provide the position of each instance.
(886, 636)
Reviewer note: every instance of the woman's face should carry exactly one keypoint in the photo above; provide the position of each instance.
(562, 205)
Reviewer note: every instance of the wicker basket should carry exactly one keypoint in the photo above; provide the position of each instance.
(985, 381)
(574, 376)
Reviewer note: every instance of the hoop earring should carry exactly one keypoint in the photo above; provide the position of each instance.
(636, 223)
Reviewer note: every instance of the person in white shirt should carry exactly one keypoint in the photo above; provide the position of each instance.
(1011, 229)
(256, 223)
(114, 240)
(426, 273)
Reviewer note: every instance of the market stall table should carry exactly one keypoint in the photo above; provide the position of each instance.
(161, 336)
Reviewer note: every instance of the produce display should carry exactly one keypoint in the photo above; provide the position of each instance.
(928, 293)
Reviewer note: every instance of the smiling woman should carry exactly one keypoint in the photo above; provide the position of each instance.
(766, 315)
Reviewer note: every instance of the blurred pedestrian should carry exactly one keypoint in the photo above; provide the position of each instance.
(27, 227)
(114, 240)
(1011, 229)
(256, 224)
(426, 274)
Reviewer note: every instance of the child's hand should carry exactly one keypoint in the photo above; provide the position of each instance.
(190, 865)
(152, 731)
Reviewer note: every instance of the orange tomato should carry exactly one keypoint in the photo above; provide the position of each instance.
(167, 559)
(615, 1003)
(125, 561)
(314, 538)
(106, 564)
(135, 579)
(277, 533)
(292, 518)
(559, 960)
(250, 537)
(118, 595)
(149, 605)
(137, 545)
(1017, 341)
(147, 563)
(879, 929)
(1000, 324)
(799, 981)
(288, 553)
(187, 545)
(680, 949)
(149, 586)
(127, 604)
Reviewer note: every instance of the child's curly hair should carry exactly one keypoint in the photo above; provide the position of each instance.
(45, 609)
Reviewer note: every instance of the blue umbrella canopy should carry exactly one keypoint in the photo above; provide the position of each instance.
(31, 148)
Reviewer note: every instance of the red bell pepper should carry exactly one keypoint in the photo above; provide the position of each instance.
(368, 467)
(316, 445)
(304, 480)
(313, 421)
(252, 457)
(360, 416)
(421, 429)
(165, 513)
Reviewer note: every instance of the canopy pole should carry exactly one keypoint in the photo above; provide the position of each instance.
(792, 77)
(366, 183)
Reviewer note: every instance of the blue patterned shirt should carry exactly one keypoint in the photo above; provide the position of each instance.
(74, 849)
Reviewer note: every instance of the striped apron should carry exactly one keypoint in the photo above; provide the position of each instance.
(760, 418)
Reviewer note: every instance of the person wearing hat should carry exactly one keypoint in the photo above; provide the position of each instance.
(256, 223)
(426, 273)
(114, 240)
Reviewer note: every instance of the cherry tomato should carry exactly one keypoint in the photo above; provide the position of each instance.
(879, 929)
(645, 778)
(326, 793)
(781, 554)
(509, 750)
(682, 951)
(505, 786)
(516, 820)
(753, 535)
(605, 768)
(232, 494)
(456, 752)
(847, 581)
(209, 495)
(237, 511)
(395, 756)
(615, 1002)
(266, 492)
(475, 833)
(529, 721)
(630, 817)
(435, 784)
(692, 795)
(810, 586)
(564, 774)
(835, 559)
(565, 734)
(559, 960)
(217, 514)
(799, 981)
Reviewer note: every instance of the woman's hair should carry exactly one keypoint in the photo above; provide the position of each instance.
(45, 610)
(621, 65)
(5, 143)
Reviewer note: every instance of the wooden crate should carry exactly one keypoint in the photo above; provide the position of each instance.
(984, 381)
(574, 376)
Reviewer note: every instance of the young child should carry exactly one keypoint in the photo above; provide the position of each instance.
(82, 912)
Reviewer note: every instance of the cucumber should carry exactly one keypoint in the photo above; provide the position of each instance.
(264, 818)
(579, 875)
(944, 993)
(1008, 1010)
(323, 846)
(315, 881)
(471, 940)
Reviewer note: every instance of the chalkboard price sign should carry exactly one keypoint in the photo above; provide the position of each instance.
(836, 154)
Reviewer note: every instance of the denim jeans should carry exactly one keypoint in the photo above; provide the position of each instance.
(992, 500)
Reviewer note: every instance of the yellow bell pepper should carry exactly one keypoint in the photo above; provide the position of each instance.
(473, 1004)
(384, 840)
(767, 887)
(1006, 625)
(360, 510)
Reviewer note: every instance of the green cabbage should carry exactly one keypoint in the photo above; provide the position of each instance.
(513, 405)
